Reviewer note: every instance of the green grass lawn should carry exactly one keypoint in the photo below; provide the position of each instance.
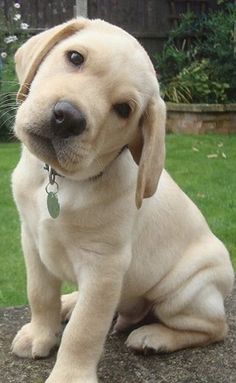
(209, 181)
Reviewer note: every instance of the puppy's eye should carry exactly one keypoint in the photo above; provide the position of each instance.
(75, 58)
(123, 110)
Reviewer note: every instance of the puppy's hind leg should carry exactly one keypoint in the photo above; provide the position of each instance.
(68, 302)
(191, 307)
(188, 328)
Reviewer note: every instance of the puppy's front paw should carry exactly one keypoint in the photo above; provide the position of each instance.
(71, 375)
(76, 380)
(31, 342)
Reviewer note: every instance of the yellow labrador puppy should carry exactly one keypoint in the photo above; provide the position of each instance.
(91, 110)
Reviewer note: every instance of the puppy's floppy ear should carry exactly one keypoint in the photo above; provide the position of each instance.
(31, 54)
(148, 149)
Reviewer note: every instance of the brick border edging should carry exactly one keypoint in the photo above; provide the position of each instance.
(201, 118)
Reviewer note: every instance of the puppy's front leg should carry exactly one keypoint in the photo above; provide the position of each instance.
(37, 338)
(83, 339)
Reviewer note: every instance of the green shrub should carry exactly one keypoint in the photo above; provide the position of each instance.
(198, 61)
(12, 34)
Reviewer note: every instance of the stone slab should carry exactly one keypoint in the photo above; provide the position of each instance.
(201, 118)
(212, 364)
(200, 108)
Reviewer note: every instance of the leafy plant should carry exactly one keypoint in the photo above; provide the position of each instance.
(12, 33)
(198, 62)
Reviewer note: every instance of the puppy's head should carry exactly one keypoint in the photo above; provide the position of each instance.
(88, 89)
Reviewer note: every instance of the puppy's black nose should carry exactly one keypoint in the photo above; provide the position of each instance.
(67, 120)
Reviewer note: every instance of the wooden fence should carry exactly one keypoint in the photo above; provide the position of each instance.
(149, 21)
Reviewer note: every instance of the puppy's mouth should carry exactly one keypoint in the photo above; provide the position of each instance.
(40, 144)
(57, 136)
(57, 152)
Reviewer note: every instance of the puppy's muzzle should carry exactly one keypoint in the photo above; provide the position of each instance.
(67, 120)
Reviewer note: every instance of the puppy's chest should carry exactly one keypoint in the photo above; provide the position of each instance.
(59, 249)
(81, 229)
(89, 222)
(60, 240)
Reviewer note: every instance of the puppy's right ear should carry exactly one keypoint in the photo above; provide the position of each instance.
(31, 54)
(148, 148)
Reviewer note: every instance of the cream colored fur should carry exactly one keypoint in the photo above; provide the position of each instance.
(161, 258)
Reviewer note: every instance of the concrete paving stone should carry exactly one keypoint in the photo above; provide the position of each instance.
(212, 364)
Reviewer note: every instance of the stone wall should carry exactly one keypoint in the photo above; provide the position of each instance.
(201, 118)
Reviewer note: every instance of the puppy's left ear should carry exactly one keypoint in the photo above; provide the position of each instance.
(148, 149)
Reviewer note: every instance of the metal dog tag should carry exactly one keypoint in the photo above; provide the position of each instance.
(52, 199)
(53, 205)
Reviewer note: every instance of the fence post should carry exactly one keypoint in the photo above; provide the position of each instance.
(235, 34)
(81, 8)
